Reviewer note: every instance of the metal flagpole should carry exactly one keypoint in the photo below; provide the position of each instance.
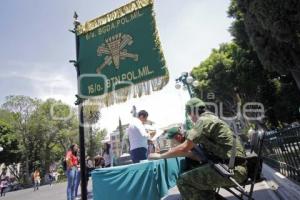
(79, 102)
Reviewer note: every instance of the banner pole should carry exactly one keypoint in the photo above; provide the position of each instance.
(82, 157)
(79, 102)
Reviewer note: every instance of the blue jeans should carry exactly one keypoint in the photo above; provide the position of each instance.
(77, 182)
(36, 185)
(71, 176)
(138, 154)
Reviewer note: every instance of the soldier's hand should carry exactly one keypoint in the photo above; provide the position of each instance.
(154, 156)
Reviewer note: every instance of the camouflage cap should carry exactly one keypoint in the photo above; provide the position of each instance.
(195, 102)
(171, 132)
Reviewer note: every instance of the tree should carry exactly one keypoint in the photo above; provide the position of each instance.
(240, 64)
(22, 107)
(229, 67)
(121, 130)
(232, 66)
(54, 127)
(6, 116)
(266, 14)
(273, 27)
(92, 115)
(99, 137)
(9, 142)
(44, 130)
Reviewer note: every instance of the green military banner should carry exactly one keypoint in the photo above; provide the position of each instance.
(120, 52)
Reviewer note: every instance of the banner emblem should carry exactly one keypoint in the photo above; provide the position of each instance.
(114, 49)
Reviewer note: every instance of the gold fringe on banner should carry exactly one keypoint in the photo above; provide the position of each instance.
(113, 15)
(134, 91)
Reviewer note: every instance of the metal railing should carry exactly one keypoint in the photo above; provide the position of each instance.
(282, 151)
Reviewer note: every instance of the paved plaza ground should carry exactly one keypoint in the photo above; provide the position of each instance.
(58, 192)
(46, 192)
(275, 187)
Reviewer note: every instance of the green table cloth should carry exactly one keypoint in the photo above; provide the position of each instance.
(142, 181)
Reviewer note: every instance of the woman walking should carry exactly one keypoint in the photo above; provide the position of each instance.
(4, 182)
(72, 162)
(36, 179)
(78, 178)
(107, 155)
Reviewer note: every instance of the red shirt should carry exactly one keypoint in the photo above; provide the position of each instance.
(73, 159)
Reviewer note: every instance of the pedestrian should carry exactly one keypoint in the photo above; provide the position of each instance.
(216, 137)
(89, 163)
(78, 177)
(177, 137)
(107, 155)
(89, 168)
(72, 162)
(36, 179)
(138, 137)
(3, 182)
(151, 147)
(51, 177)
(99, 162)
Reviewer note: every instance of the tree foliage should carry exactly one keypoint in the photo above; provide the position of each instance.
(9, 142)
(229, 67)
(273, 27)
(232, 66)
(38, 133)
(92, 115)
(54, 127)
(21, 108)
(43, 129)
(241, 64)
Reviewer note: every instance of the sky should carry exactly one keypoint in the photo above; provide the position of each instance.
(36, 47)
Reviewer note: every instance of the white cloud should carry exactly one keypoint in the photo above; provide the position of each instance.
(41, 80)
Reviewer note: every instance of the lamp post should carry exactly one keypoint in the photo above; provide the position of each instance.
(188, 82)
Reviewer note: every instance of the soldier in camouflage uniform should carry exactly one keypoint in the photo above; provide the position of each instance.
(176, 135)
(217, 139)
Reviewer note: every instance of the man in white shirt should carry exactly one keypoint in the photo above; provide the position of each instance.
(138, 137)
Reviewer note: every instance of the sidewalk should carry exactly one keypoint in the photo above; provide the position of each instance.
(261, 192)
(275, 187)
(282, 186)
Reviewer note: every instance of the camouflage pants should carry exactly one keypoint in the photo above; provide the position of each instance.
(201, 182)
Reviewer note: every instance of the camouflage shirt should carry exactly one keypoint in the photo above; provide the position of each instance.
(215, 135)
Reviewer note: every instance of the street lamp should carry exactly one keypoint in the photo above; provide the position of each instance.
(187, 81)
(177, 86)
(195, 83)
